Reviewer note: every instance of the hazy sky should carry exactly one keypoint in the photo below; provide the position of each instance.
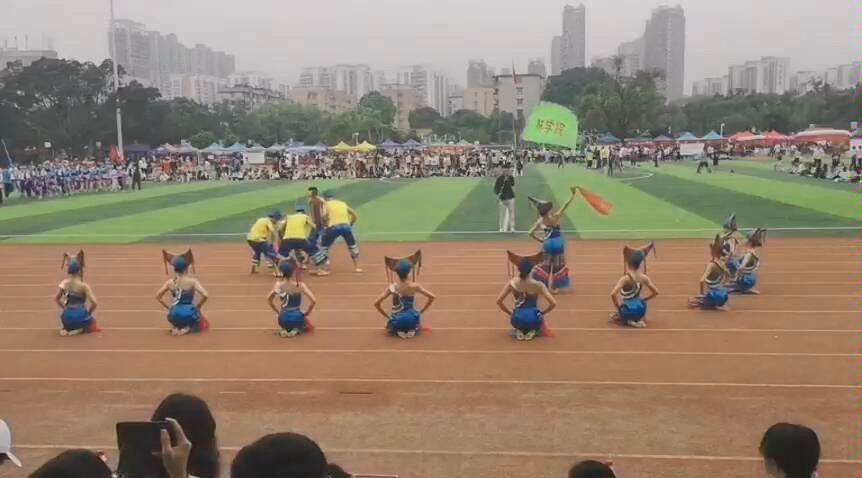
(280, 37)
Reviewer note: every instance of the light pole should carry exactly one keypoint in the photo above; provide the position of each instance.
(116, 83)
(721, 130)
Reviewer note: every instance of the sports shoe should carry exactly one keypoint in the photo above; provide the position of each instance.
(64, 333)
(640, 324)
(293, 332)
(520, 335)
(530, 335)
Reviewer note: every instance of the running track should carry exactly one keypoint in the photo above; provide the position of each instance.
(689, 396)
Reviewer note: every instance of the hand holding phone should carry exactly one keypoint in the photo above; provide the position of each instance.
(152, 449)
(175, 448)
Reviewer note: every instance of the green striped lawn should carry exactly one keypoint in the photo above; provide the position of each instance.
(670, 201)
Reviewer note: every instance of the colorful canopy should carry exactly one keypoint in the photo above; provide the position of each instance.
(364, 147)
(214, 148)
(663, 139)
(712, 136)
(389, 144)
(341, 147)
(412, 144)
(608, 138)
(687, 136)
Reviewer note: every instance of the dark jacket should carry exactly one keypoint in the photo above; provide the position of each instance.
(504, 187)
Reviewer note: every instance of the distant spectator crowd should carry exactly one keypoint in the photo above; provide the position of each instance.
(189, 449)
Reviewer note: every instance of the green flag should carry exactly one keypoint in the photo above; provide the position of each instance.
(552, 124)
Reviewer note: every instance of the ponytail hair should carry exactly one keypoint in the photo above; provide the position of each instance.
(525, 267)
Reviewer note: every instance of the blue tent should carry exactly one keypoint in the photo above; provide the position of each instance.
(663, 139)
(236, 148)
(687, 136)
(712, 136)
(609, 139)
(320, 147)
(389, 144)
(412, 144)
(213, 148)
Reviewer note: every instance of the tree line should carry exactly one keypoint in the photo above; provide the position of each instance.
(71, 104)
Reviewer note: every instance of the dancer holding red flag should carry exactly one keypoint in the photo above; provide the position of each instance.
(553, 271)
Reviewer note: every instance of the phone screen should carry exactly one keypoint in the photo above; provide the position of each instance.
(139, 444)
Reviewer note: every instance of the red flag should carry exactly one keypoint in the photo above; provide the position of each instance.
(598, 203)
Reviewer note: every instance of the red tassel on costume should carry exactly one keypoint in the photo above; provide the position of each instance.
(598, 203)
(547, 332)
(204, 323)
(94, 327)
(424, 329)
(309, 327)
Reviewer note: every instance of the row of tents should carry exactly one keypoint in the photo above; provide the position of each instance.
(771, 137)
(238, 148)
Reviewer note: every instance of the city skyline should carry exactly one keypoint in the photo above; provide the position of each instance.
(498, 33)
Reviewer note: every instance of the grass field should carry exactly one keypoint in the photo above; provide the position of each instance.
(671, 201)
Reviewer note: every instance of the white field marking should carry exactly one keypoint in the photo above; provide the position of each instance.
(430, 352)
(429, 284)
(436, 310)
(473, 329)
(469, 453)
(603, 383)
(243, 234)
(637, 178)
(441, 296)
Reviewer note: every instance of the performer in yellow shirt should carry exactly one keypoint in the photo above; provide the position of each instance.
(296, 239)
(261, 238)
(340, 219)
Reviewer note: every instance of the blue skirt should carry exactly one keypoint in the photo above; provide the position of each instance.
(526, 319)
(554, 246)
(75, 318)
(746, 282)
(633, 310)
(733, 264)
(184, 315)
(715, 297)
(291, 319)
(404, 321)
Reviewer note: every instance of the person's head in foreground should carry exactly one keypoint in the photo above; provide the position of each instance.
(282, 455)
(591, 469)
(790, 451)
(197, 421)
(6, 455)
(74, 464)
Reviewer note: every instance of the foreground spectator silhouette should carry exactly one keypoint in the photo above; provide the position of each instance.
(283, 455)
(591, 469)
(790, 451)
(74, 464)
(194, 416)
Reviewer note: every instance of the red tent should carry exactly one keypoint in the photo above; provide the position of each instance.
(774, 137)
(741, 136)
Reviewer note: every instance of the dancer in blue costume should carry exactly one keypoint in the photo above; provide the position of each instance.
(183, 314)
(527, 319)
(631, 308)
(77, 302)
(744, 280)
(292, 321)
(404, 320)
(729, 244)
(713, 294)
(553, 270)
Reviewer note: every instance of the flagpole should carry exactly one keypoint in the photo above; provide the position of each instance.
(116, 82)
(514, 109)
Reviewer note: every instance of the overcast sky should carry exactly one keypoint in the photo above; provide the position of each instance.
(281, 36)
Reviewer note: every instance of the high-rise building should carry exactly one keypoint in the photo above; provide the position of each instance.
(481, 100)
(519, 96)
(155, 60)
(664, 49)
(769, 75)
(556, 55)
(199, 88)
(477, 74)
(251, 78)
(606, 63)
(355, 80)
(710, 87)
(26, 57)
(406, 99)
(573, 46)
(632, 54)
(433, 87)
(536, 66)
